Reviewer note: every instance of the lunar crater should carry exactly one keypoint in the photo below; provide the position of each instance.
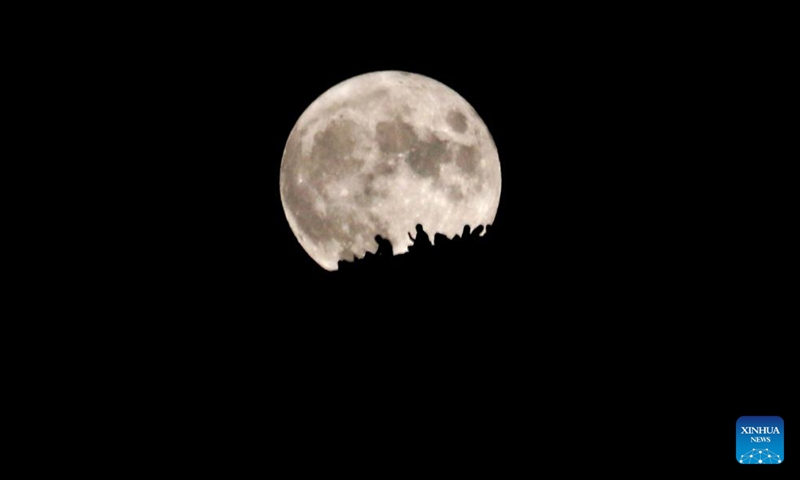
(457, 120)
(467, 158)
(395, 136)
(427, 156)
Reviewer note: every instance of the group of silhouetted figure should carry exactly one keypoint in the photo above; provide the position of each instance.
(422, 241)
(422, 248)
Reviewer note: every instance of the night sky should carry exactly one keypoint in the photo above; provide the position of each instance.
(642, 232)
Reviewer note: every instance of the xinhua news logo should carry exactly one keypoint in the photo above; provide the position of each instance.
(759, 440)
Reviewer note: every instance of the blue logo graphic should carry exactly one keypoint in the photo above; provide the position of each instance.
(759, 440)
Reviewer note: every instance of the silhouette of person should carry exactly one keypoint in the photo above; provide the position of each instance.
(465, 232)
(477, 232)
(384, 247)
(422, 241)
(440, 239)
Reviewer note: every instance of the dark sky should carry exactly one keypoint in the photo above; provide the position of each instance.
(644, 266)
(644, 180)
(641, 172)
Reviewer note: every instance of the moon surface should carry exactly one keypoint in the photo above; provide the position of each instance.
(378, 154)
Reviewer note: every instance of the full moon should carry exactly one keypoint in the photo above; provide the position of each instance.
(378, 154)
